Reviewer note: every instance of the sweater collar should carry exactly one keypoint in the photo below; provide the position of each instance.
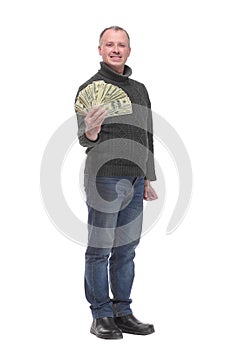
(107, 72)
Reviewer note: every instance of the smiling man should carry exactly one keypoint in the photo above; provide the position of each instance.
(117, 177)
(115, 49)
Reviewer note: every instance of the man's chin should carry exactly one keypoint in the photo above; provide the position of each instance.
(115, 65)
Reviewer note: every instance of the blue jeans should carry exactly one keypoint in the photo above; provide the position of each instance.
(115, 207)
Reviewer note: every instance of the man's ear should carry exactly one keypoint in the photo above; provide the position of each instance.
(99, 49)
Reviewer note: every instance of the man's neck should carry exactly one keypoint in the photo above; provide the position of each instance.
(119, 70)
(108, 71)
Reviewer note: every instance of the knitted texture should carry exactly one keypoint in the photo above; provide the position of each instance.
(125, 143)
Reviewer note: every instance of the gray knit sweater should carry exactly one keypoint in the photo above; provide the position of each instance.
(125, 143)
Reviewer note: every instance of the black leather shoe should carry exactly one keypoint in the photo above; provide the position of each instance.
(106, 328)
(129, 324)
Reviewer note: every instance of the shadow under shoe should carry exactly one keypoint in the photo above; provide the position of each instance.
(106, 328)
(129, 324)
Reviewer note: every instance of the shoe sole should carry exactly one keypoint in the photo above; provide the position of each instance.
(137, 333)
(102, 336)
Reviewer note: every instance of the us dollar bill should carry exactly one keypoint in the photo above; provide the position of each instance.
(110, 97)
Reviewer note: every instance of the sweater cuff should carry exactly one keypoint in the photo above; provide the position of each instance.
(85, 142)
(151, 177)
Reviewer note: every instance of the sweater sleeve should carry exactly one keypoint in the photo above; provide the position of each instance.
(150, 166)
(83, 140)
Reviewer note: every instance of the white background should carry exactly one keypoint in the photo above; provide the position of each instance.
(182, 52)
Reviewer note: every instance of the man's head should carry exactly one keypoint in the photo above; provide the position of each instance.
(114, 47)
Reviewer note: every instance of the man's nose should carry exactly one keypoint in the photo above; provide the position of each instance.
(116, 49)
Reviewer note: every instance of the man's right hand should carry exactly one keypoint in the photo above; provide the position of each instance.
(93, 122)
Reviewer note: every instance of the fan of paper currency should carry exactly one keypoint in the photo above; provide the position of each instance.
(109, 97)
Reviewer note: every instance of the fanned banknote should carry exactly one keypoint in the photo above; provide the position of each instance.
(109, 97)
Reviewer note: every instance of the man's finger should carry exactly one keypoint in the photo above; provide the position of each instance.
(96, 114)
(93, 111)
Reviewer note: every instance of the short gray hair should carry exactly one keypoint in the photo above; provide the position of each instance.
(116, 28)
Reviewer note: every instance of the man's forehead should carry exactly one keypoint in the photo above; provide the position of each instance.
(112, 35)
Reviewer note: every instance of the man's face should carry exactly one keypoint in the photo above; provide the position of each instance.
(114, 49)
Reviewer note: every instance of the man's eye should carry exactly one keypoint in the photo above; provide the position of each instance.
(122, 45)
(109, 44)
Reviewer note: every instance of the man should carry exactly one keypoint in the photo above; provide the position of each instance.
(118, 171)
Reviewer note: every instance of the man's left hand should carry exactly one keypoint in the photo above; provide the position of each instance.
(149, 192)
